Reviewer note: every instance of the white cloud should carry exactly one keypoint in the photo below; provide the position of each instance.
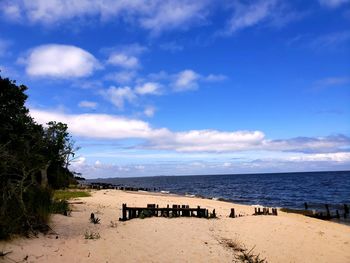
(332, 81)
(118, 96)
(148, 88)
(249, 15)
(4, 45)
(88, 104)
(99, 125)
(121, 76)
(115, 127)
(208, 141)
(323, 157)
(333, 3)
(334, 40)
(123, 60)
(60, 61)
(186, 80)
(175, 14)
(156, 16)
(215, 78)
(149, 111)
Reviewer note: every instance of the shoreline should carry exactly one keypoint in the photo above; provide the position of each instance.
(282, 238)
(316, 212)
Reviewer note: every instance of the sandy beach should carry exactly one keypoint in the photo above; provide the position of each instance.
(282, 238)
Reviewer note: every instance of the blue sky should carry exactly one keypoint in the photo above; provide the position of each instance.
(187, 87)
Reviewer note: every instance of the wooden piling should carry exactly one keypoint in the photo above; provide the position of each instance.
(232, 214)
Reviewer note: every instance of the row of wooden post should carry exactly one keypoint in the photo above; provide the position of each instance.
(265, 211)
(328, 214)
(155, 210)
(179, 210)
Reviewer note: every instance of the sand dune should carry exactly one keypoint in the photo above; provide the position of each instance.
(285, 238)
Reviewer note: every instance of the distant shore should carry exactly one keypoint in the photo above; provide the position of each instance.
(283, 238)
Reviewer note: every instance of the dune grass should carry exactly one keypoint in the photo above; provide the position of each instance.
(69, 194)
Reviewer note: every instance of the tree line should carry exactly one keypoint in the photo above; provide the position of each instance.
(34, 159)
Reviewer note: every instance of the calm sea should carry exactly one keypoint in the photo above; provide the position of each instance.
(289, 190)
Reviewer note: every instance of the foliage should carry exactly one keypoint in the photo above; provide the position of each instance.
(95, 220)
(66, 194)
(60, 207)
(33, 160)
(242, 255)
(145, 213)
(91, 235)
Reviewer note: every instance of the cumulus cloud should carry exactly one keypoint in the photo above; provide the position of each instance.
(60, 61)
(149, 111)
(186, 80)
(115, 127)
(118, 96)
(88, 104)
(121, 77)
(148, 88)
(123, 60)
(99, 125)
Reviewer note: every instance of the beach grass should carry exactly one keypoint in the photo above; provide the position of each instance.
(69, 194)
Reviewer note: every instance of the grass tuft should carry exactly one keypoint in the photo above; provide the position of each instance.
(69, 194)
(91, 235)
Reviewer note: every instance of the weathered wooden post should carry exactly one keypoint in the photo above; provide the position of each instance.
(214, 214)
(306, 206)
(337, 214)
(167, 211)
(198, 211)
(346, 209)
(328, 212)
(124, 212)
(232, 214)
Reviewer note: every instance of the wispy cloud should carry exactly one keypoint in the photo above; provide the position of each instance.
(333, 3)
(332, 41)
(156, 16)
(331, 82)
(251, 14)
(4, 47)
(88, 104)
(59, 61)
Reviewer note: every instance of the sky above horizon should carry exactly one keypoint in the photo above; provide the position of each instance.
(187, 87)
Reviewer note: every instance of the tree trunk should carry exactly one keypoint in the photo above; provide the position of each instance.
(44, 180)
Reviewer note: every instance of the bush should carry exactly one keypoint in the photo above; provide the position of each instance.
(60, 207)
(27, 213)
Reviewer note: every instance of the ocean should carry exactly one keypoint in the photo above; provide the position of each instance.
(289, 190)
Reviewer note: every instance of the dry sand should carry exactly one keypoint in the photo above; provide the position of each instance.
(282, 238)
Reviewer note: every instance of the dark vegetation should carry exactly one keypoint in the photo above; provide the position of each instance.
(242, 255)
(34, 161)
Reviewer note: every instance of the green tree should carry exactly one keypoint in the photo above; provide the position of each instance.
(33, 159)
